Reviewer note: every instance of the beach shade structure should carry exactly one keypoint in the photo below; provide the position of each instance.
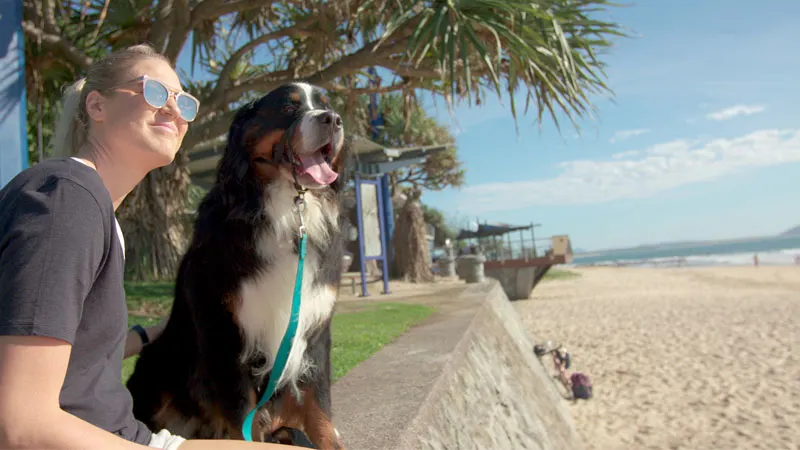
(489, 230)
(520, 269)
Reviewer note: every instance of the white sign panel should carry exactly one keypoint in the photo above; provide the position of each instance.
(369, 216)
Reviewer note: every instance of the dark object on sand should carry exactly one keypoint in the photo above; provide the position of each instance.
(581, 386)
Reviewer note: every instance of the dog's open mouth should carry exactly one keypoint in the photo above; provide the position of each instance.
(317, 165)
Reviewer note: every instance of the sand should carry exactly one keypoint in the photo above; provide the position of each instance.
(679, 358)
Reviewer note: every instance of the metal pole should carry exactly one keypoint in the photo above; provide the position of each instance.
(376, 118)
(13, 121)
(360, 223)
(383, 241)
(388, 212)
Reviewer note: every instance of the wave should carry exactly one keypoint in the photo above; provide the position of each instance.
(783, 257)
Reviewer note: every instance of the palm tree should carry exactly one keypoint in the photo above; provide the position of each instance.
(456, 49)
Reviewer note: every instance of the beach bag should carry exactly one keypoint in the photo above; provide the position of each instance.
(581, 386)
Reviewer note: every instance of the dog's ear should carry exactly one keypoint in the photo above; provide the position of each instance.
(235, 161)
(235, 178)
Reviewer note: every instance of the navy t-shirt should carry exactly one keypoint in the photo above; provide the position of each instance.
(61, 276)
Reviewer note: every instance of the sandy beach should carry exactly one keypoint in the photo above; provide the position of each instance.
(703, 358)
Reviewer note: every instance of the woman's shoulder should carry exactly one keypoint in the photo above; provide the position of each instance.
(59, 174)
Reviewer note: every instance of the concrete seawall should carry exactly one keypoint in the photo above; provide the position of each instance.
(464, 379)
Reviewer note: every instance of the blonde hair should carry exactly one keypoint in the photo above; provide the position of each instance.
(72, 127)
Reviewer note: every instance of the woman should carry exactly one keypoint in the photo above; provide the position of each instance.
(63, 316)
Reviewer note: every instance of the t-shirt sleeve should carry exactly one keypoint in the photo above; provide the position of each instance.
(51, 249)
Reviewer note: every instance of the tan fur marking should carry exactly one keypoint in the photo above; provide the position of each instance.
(309, 417)
(166, 412)
(337, 164)
(232, 303)
(263, 149)
(266, 171)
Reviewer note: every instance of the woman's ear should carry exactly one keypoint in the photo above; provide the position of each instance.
(96, 106)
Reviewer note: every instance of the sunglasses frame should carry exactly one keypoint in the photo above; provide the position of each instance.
(170, 93)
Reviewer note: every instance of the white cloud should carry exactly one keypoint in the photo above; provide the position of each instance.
(625, 154)
(626, 134)
(734, 111)
(657, 169)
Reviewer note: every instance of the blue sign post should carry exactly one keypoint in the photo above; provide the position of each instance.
(13, 129)
(361, 235)
(376, 121)
(384, 198)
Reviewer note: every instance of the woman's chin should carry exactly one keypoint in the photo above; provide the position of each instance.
(160, 157)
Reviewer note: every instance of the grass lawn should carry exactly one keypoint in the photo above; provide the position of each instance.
(356, 335)
(560, 274)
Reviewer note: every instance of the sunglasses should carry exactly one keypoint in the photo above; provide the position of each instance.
(157, 94)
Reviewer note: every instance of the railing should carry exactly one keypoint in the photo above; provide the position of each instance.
(504, 247)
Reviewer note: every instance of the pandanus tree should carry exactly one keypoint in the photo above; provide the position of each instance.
(407, 126)
(545, 51)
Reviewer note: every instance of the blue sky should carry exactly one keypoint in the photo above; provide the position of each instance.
(701, 142)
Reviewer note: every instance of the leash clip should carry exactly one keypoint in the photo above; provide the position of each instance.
(300, 204)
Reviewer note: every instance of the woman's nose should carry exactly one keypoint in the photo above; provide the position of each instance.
(171, 107)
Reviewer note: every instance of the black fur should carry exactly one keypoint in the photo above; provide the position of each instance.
(193, 370)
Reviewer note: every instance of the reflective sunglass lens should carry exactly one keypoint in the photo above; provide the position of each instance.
(155, 94)
(188, 107)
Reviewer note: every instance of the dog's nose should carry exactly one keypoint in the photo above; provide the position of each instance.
(332, 119)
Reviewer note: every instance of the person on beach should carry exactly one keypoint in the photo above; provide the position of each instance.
(63, 316)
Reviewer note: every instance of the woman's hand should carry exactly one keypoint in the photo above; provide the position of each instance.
(155, 331)
(133, 343)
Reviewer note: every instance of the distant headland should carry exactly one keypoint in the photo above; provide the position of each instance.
(788, 234)
(791, 232)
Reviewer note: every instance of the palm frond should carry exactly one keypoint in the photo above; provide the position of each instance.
(546, 47)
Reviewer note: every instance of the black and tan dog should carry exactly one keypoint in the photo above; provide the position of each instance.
(235, 283)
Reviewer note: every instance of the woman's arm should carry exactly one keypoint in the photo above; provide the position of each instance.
(133, 342)
(32, 370)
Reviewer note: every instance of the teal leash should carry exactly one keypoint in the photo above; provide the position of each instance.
(288, 337)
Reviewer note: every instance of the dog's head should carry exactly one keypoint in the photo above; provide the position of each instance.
(291, 134)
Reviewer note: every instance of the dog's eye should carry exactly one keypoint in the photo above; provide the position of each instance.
(289, 109)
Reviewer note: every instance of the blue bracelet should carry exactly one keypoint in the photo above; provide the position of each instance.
(142, 334)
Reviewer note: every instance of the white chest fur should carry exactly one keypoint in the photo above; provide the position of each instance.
(267, 298)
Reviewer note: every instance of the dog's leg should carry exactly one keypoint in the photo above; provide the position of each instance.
(225, 387)
(317, 424)
(312, 411)
(230, 395)
(316, 388)
(306, 414)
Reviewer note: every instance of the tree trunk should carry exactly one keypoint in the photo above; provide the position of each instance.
(410, 244)
(153, 218)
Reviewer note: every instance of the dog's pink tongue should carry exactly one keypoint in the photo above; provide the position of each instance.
(317, 168)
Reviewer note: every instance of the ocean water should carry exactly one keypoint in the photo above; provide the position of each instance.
(770, 251)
